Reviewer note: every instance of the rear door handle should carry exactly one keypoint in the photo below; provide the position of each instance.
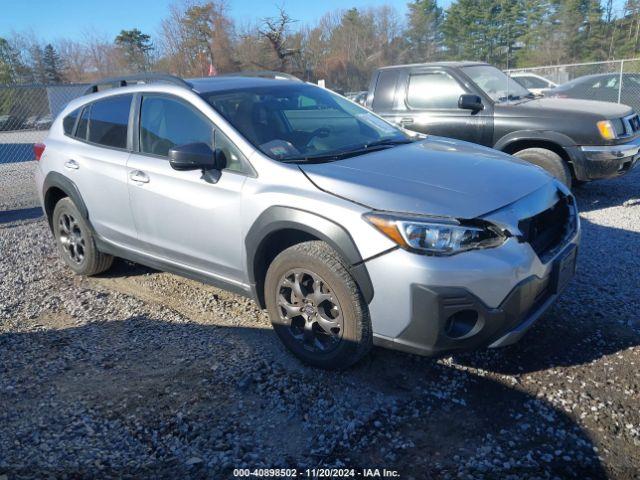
(406, 121)
(72, 164)
(138, 176)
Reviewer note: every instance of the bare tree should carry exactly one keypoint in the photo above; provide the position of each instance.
(103, 56)
(198, 37)
(75, 58)
(276, 31)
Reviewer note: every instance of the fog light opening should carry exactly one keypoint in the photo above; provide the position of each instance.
(461, 324)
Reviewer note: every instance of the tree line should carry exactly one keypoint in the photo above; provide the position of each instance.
(199, 38)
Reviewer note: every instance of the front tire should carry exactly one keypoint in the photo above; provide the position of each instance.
(316, 307)
(550, 161)
(75, 242)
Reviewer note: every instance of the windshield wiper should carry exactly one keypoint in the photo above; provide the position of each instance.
(390, 142)
(366, 148)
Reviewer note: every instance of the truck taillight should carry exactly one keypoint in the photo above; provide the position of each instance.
(38, 150)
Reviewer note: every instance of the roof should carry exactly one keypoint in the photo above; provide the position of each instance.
(222, 83)
(457, 64)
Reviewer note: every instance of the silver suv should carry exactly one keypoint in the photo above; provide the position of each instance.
(347, 229)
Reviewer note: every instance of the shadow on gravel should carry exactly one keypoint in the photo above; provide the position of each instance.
(124, 268)
(149, 398)
(7, 216)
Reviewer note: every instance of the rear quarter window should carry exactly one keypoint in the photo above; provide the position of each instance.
(70, 121)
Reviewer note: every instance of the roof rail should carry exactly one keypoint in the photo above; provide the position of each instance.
(115, 82)
(262, 74)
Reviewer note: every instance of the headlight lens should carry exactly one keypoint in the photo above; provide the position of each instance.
(607, 130)
(435, 236)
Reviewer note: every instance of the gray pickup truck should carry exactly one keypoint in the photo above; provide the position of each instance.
(575, 140)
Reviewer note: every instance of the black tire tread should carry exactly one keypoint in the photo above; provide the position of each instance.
(97, 262)
(322, 252)
(549, 160)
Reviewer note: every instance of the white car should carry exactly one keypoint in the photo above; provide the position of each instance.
(532, 82)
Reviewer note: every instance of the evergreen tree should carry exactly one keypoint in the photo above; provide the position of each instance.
(52, 65)
(487, 30)
(136, 47)
(627, 32)
(424, 32)
(12, 69)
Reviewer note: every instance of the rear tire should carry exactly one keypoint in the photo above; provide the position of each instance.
(75, 241)
(326, 323)
(550, 161)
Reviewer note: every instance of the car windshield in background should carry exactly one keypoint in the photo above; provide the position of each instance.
(495, 83)
(303, 122)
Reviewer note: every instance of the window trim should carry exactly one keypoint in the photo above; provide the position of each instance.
(431, 72)
(88, 105)
(136, 124)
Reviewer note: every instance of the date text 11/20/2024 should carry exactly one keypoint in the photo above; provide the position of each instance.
(316, 473)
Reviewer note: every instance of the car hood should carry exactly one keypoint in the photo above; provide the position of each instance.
(436, 176)
(552, 107)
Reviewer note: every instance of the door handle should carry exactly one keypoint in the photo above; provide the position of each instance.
(406, 121)
(138, 176)
(72, 164)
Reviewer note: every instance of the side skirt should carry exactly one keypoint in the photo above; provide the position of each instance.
(167, 266)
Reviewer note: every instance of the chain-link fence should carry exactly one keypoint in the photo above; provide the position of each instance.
(26, 113)
(615, 81)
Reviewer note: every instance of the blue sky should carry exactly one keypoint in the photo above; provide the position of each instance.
(52, 19)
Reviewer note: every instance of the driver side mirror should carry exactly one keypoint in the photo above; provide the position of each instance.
(194, 156)
(470, 102)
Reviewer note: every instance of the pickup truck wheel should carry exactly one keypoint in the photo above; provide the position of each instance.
(75, 240)
(550, 161)
(316, 307)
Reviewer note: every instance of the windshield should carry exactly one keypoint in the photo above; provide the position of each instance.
(300, 122)
(496, 84)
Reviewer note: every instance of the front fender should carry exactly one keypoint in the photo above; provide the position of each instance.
(278, 218)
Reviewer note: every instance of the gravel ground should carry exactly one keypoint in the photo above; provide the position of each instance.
(17, 189)
(143, 374)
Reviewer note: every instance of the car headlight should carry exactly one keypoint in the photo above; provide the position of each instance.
(437, 236)
(606, 129)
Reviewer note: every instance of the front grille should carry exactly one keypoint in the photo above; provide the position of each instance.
(631, 125)
(548, 230)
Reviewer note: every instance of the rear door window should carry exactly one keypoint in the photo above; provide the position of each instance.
(108, 121)
(433, 90)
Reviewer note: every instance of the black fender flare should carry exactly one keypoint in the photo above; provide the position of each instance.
(534, 135)
(277, 218)
(56, 180)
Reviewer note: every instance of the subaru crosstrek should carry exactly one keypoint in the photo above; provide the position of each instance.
(347, 229)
